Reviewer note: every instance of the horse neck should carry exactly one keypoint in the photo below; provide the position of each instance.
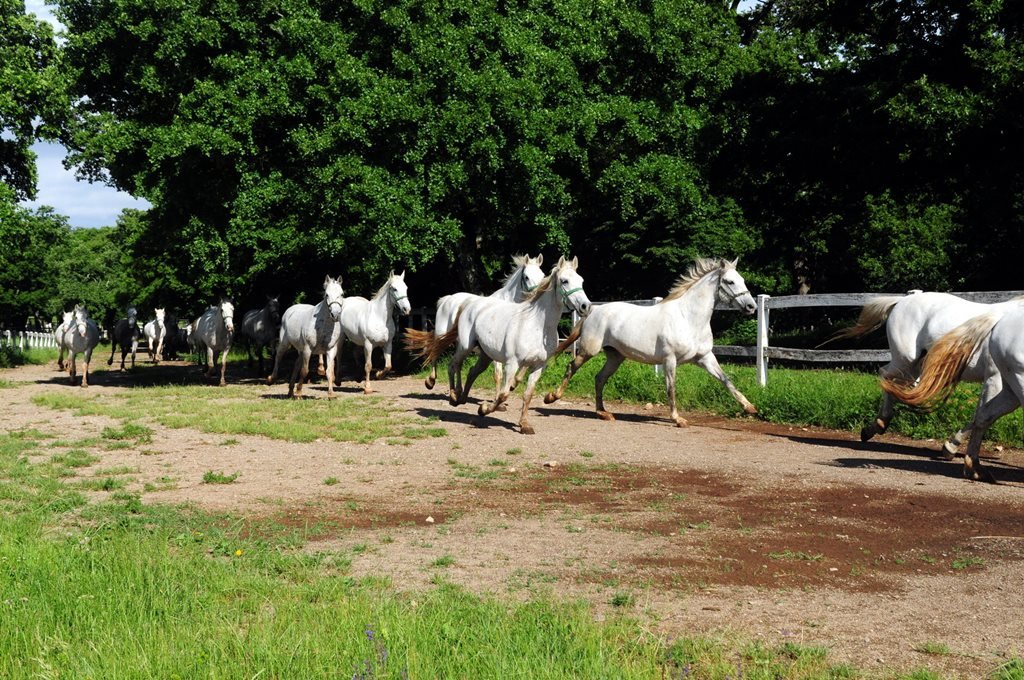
(512, 287)
(381, 305)
(548, 307)
(698, 303)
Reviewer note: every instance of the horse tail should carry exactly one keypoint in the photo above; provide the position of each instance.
(872, 317)
(418, 342)
(573, 336)
(429, 346)
(943, 364)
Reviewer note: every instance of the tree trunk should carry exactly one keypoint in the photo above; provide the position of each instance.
(468, 266)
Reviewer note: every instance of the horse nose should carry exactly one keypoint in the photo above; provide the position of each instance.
(585, 307)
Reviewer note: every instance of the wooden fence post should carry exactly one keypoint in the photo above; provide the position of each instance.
(762, 339)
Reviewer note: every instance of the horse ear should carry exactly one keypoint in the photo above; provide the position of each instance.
(561, 261)
(575, 262)
(540, 259)
(327, 280)
(402, 275)
(734, 262)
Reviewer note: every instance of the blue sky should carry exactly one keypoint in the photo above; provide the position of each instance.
(85, 204)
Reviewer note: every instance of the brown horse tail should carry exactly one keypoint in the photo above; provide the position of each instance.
(872, 316)
(418, 342)
(943, 364)
(574, 335)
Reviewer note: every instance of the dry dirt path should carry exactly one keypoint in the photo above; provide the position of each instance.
(726, 527)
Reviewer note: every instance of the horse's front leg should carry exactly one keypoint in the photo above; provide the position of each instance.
(331, 353)
(224, 365)
(60, 359)
(531, 385)
(135, 348)
(85, 374)
(282, 349)
(670, 390)
(501, 392)
(367, 365)
(570, 371)
(612, 360)
(72, 368)
(710, 364)
(110, 361)
(211, 362)
(387, 360)
(431, 379)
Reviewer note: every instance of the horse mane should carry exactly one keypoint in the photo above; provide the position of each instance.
(700, 268)
(383, 289)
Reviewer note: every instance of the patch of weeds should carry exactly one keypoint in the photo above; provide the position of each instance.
(229, 442)
(802, 653)
(387, 539)
(514, 451)
(795, 555)
(467, 471)
(1011, 670)
(331, 481)
(161, 484)
(129, 431)
(75, 458)
(921, 674)
(934, 648)
(622, 600)
(586, 454)
(706, 524)
(352, 505)
(360, 548)
(120, 470)
(966, 562)
(497, 462)
(928, 559)
(105, 484)
(211, 477)
(443, 561)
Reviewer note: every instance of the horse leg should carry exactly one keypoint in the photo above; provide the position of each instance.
(670, 390)
(482, 362)
(387, 361)
(60, 359)
(531, 385)
(455, 376)
(710, 364)
(87, 357)
(211, 362)
(570, 371)
(432, 378)
(613, 359)
(330, 371)
(299, 373)
(159, 350)
(224, 365)
(501, 392)
(988, 412)
(282, 349)
(135, 348)
(72, 370)
(990, 387)
(367, 365)
(113, 349)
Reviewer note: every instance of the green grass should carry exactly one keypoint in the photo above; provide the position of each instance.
(236, 410)
(124, 589)
(835, 399)
(934, 648)
(211, 477)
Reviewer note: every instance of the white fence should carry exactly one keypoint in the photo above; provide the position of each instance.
(28, 339)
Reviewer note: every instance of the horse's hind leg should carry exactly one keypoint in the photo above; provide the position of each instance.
(113, 349)
(987, 413)
(387, 361)
(431, 379)
(613, 359)
(670, 391)
(710, 364)
(282, 349)
(455, 376)
(482, 362)
(501, 392)
(72, 368)
(570, 371)
(991, 386)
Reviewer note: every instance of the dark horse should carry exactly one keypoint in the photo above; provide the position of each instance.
(125, 334)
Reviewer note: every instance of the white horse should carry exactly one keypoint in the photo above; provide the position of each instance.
(523, 280)
(990, 342)
(261, 328)
(521, 335)
(675, 331)
(913, 323)
(215, 329)
(58, 336)
(371, 323)
(311, 330)
(155, 332)
(81, 335)
(125, 335)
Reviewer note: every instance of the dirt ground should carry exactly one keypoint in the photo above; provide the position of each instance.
(734, 527)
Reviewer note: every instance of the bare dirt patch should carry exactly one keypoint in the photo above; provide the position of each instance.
(780, 533)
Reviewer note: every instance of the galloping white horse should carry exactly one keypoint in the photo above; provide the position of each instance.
(215, 329)
(370, 323)
(311, 330)
(675, 331)
(521, 335)
(913, 324)
(58, 336)
(125, 335)
(261, 328)
(155, 332)
(990, 343)
(523, 280)
(81, 335)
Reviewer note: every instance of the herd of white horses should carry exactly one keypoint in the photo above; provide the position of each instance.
(935, 340)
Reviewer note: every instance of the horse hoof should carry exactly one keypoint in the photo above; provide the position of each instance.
(429, 383)
(866, 433)
(482, 411)
(367, 390)
(750, 410)
(550, 398)
(605, 415)
(526, 428)
(110, 363)
(681, 422)
(501, 407)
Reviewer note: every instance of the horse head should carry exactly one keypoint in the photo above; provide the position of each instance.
(399, 292)
(160, 316)
(274, 310)
(334, 296)
(227, 313)
(733, 290)
(532, 273)
(570, 286)
(81, 316)
(66, 319)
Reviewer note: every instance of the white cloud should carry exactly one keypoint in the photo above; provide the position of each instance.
(85, 204)
(43, 11)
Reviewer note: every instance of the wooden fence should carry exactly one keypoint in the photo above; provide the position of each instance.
(28, 339)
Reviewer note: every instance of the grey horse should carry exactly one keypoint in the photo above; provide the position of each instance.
(81, 336)
(261, 328)
(311, 330)
(125, 336)
(215, 329)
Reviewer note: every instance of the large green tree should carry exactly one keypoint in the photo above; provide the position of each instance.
(280, 140)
